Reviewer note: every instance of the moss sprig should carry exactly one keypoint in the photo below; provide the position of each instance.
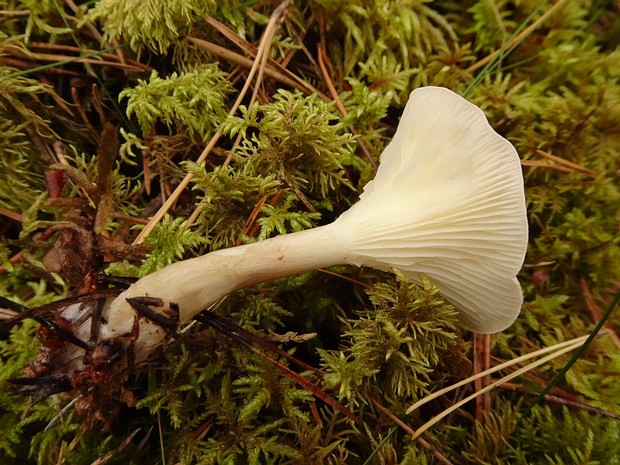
(300, 139)
(155, 24)
(194, 101)
(391, 349)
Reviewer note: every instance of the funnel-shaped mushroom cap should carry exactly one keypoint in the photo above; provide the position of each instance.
(448, 202)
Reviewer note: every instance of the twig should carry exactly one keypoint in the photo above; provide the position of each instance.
(62, 59)
(81, 51)
(598, 329)
(82, 112)
(233, 57)
(259, 346)
(251, 219)
(91, 28)
(273, 65)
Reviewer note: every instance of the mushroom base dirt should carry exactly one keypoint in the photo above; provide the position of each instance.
(447, 202)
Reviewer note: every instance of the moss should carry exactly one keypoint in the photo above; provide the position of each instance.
(291, 161)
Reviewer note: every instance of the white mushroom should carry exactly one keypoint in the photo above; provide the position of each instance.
(447, 202)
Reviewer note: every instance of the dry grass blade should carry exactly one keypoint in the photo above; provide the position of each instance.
(576, 343)
(497, 368)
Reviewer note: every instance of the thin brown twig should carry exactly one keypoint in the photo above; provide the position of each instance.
(127, 218)
(251, 219)
(321, 59)
(87, 24)
(273, 201)
(52, 57)
(79, 51)
(259, 346)
(57, 98)
(235, 58)
(26, 65)
(501, 366)
(567, 347)
(346, 278)
(98, 104)
(262, 56)
(534, 378)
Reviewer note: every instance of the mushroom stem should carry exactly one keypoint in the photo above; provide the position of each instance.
(194, 284)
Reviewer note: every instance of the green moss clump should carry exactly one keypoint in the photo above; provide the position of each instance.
(154, 24)
(192, 101)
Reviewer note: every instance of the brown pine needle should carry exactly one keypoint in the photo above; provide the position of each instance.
(11, 214)
(569, 164)
(251, 219)
(540, 164)
(322, 60)
(562, 401)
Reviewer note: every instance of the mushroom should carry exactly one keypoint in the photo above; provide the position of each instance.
(447, 202)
